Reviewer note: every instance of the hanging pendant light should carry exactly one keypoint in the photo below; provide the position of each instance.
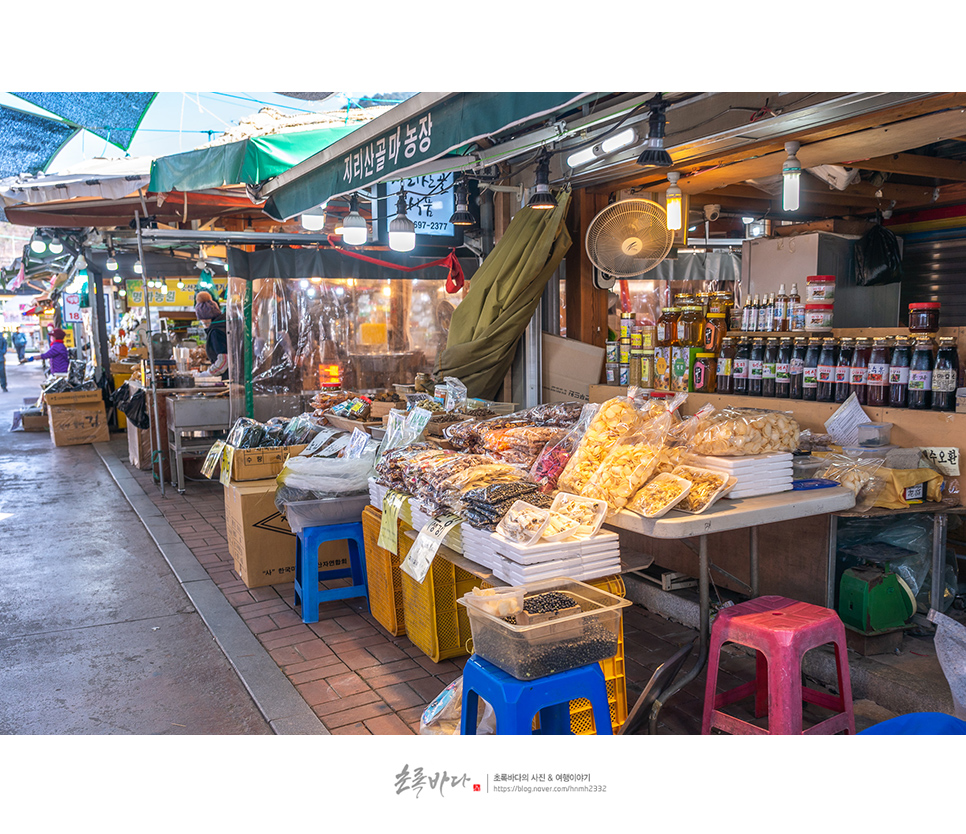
(791, 176)
(654, 155)
(355, 230)
(542, 198)
(674, 197)
(181, 283)
(138, 268)
(402, 230)
(55, 246)
(462, 216)
(38, 245)
(111, 261)
(117, 279)
(313, 220)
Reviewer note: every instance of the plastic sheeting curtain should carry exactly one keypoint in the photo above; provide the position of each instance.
(503, 295)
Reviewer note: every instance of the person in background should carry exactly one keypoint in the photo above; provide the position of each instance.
(216, 334)
(56, 353)
(3, 361)
(19, 341)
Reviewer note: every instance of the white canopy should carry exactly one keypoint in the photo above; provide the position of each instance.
(110, 179)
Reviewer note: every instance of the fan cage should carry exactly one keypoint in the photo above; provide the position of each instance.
(629, 238)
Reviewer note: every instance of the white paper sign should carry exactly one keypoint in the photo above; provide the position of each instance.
(944, 458)
(388, 529)
(420, 557)
(843, 425)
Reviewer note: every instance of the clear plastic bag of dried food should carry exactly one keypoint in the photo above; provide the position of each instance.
(857, 474)
(247, 433)
(551, 461)
(455, 394)
(629, 464)
(614, 419)
(744, 431)
(659, 495)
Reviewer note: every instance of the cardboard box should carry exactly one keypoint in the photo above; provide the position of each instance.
(258, 464)
(261, 543)
(139, 446)
(78, 423)
(603, 393)
(34, 422)
(74, 398)
(569, 369)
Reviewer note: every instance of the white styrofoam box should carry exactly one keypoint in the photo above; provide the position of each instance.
(751, 491)
(579, 568)
(377, 495)
(604, 540)
(736, 465)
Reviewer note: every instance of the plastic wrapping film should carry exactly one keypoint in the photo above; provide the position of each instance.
(374, 332)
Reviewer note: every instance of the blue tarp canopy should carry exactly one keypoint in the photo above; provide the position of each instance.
(112, 116)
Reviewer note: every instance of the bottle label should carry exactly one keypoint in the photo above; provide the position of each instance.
(740, 369)
(810, 377)
(724, 366)
(762, 318)
(944, 380)
(841, 374)
(899, 376)
(826, 373)
(781, 371)
(796, 367)
(755, 368)
(878, 375)
(920, 380)
(859, 376)
(769, 370)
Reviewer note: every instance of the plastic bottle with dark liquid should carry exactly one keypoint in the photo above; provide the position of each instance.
(877, 378)
(726, 361)
(769, 369)
(783, 369)
(739, 370)
(796, 369)
(826, 372)
(920, 374)
(945, 375)
(899, 373)
(843, 369)
(810, 370)
(756, 361)
(859, 372)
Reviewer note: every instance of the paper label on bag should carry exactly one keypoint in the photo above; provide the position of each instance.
(334, 447)
(843, 424)
(944, 458)
(318, 441)
(211, 461)
(358, 441)
(388, 529)
(227, 456)
(420, 558)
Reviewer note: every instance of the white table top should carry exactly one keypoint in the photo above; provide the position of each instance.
(734, 515)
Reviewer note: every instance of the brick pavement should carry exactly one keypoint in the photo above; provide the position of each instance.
(358, 679)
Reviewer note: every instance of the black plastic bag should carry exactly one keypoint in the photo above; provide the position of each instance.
(136, 410)
(877, 258)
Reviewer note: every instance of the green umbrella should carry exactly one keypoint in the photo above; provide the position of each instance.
(502, 297)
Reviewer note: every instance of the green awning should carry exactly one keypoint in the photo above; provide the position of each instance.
(409, 135)
(247, 162)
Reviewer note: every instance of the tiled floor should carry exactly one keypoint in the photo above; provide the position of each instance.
(360, 680)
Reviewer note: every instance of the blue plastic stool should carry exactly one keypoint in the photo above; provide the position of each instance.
(516, 702)
(308, 573)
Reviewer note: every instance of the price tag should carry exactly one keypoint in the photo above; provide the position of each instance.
(388, 529)
(211, 461)
(424, 549)
(334, 447)
(318, 441)
(227, 455)
(944, 458)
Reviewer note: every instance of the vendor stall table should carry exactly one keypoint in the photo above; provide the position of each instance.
(192, 418)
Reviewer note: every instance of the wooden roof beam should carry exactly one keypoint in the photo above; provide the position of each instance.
(915, 165)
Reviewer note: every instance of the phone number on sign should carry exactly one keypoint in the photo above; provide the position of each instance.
(433, 227)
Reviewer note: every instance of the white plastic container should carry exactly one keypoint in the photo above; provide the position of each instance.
(874, 434)
(818, 317)
(820, 289)
(523, 523)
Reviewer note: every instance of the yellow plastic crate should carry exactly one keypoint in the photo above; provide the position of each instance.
(383, 574)
(435, 623)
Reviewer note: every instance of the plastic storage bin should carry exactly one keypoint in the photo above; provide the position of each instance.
(302, 514)
(551, 644)
(383, 574)
(874, 434)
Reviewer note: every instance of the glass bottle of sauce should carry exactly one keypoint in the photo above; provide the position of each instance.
(843, 368)
(690, 327)
(920, 374)
(715, 327)
(726, 360)
(739, 370)
(899, 374)
(769, 368)
(826, 372)
(810, 369)
(945, 375)
(667, 327)
(877, 378)
(796, 369)
(756, 361)
(783, 369)
(859, 372)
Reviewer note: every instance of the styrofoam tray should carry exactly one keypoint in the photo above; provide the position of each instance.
(572, 568)
(738, 464)
(762, 490)
(603, 542)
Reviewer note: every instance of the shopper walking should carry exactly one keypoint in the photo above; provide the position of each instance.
(3, 361)
(56, 353)
(19, 341)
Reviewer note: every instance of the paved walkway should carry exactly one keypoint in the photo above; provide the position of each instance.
(96, 634)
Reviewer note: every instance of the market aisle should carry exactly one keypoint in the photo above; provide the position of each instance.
(96, 634)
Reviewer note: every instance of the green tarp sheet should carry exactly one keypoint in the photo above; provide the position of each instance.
(252, 160)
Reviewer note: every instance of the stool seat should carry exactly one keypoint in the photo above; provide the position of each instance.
(308, 572)
(781, 631)
(515, 703)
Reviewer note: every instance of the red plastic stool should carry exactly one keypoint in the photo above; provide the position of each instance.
(781, 631)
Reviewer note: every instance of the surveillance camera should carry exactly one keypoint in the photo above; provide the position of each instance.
(712, 212)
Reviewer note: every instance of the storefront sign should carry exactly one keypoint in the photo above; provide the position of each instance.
(171, 296)
(420, 558)
(72, 310)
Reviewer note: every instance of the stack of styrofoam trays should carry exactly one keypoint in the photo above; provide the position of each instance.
(517, 564)
(756, 474)
(453, 539)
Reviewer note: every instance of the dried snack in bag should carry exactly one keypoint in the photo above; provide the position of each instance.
(659, 495)
(744, 431)
(523, 523)
(856, 474)
(551, 461)
(617, 417)
(707, 486)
